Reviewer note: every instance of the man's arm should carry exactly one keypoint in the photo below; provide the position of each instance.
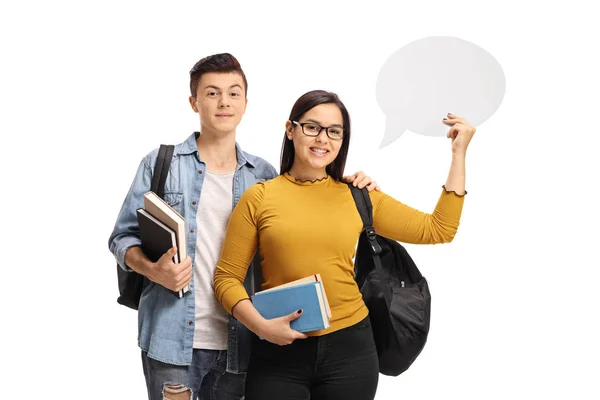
(126, 232)
(124, 241)
(164, 272)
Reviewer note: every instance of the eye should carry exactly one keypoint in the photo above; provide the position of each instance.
(312, 127)
(235, 94)
(335, 131)
(212, 93)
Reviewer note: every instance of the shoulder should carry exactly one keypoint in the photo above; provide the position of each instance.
(149, 159)
(186, 147)
(377, 196)
(272, 188)
(261, 168)
(251, 200)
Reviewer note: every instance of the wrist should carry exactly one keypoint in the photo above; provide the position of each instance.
(137, 261)
(262, 327)
(459, 154)
(131, 258)
(148, 267)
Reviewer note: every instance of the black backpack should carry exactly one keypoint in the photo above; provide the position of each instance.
(395, 292)
(131, 284)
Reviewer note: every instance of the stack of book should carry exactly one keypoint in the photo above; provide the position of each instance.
(161, 227)
(307, 294)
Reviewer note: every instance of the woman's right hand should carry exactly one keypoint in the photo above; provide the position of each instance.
(278, 330)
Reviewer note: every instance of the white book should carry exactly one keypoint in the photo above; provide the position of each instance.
(162, 211)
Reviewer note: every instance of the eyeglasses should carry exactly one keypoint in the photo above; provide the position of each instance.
(314, 130)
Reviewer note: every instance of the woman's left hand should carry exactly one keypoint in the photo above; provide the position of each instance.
(360, 180)
(461, 133)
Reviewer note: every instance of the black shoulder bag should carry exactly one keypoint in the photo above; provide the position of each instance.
(395, 292)
(131, 284)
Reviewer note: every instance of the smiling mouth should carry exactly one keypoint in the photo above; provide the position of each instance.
(317, 151)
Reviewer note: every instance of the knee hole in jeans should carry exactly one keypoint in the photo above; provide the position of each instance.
(173, 391)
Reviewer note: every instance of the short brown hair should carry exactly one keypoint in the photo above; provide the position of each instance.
(221, 63)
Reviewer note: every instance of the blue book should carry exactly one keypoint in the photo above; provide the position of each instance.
(281, 301)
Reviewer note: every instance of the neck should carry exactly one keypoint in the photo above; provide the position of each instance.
(306, 173)
(217, 150)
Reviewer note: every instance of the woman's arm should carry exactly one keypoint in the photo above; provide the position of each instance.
(398, 221)
(461, 133)
(275, 330)
(239, 247)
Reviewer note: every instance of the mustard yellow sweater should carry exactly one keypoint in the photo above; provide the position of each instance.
(303, 228)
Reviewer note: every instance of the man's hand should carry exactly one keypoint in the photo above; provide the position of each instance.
(278, 330)
(170, 275)
(360, 180)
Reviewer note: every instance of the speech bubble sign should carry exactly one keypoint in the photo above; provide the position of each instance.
(426, 79)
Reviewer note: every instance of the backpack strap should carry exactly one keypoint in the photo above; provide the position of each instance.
(365, 209)
(161, 169)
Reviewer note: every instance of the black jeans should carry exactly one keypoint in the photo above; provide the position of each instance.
(340, 365)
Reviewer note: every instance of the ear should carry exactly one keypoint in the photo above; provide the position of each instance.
(192, 101)
(289, 127)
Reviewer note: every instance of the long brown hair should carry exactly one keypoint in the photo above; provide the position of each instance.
(305, 103)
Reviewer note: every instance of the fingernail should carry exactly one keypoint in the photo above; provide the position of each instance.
(445, 119)
(300, 311)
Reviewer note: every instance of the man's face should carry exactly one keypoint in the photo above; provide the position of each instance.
(220, 101)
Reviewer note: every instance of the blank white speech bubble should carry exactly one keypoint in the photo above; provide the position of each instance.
(428, 78)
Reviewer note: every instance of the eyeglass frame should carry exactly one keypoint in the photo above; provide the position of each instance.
(301, 125)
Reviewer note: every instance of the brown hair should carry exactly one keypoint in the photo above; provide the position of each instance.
(306, 102)
(221, 63)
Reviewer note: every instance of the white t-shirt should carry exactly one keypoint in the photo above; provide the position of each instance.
(214, 209)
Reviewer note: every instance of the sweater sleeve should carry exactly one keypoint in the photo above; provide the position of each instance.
(400, 222)
(239, 247)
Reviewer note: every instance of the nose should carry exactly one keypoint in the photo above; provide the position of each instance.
(223, 101)
(322, 136)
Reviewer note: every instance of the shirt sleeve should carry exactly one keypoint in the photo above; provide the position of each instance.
(125, 233)
(397, 221)
(239, 247)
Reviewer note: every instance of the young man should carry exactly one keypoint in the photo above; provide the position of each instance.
(190, 346)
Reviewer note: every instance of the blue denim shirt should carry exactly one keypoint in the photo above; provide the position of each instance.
(165, 323)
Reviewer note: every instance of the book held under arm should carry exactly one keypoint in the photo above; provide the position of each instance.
(307, 294)
(161, 227)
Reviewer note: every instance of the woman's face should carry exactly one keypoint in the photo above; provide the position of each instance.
(318, 152)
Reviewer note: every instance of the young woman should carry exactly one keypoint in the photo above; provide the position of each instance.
(305, 221)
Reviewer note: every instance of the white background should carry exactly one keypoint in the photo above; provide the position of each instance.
(89, 87)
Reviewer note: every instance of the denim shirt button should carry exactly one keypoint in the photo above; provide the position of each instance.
(192, 230)
(160, 311)
(233, 328)
(193, 203)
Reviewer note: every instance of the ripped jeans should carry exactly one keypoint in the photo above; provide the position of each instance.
(205, 379)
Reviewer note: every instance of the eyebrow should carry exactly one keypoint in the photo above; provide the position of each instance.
(320, 124)
(218, 88)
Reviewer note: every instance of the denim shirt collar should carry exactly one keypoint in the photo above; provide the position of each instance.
(164, 340)
(190, 147)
